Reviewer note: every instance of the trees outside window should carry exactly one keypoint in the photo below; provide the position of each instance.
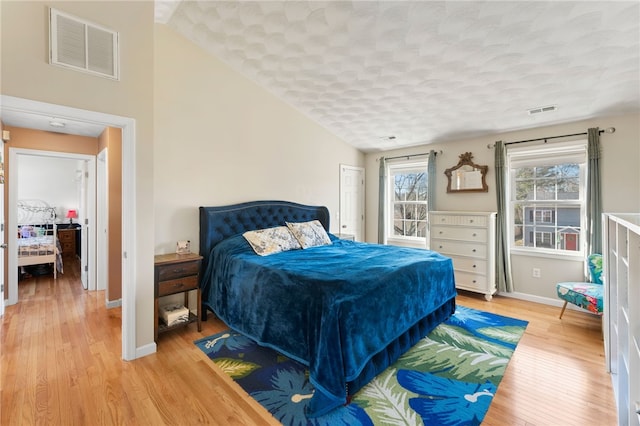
(408, 218)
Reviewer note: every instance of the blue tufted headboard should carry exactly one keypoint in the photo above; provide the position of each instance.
(220, 222)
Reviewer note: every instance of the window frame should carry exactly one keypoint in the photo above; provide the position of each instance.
(394, 168)
(574, 152)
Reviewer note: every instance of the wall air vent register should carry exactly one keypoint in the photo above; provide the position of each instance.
(83, 46)
(539, 110)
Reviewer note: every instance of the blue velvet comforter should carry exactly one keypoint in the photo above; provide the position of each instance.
(330, 307)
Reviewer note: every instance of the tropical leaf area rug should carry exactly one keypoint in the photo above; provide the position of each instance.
(447, 378)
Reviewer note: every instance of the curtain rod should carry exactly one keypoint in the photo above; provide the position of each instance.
(607, 130)
(410, 155)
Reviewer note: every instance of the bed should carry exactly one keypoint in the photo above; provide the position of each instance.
(37, 236)
(347, 310)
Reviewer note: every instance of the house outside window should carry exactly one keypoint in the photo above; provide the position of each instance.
(407, 203)
(547, 198)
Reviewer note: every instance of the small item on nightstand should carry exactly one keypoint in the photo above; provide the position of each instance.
(173, 314)
(183, 247)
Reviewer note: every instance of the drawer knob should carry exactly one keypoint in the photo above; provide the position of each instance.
(474, 234)
(474, 250)
(471, 221)
(178, 271)
(474, 266)
(474, 281)
(440, 232)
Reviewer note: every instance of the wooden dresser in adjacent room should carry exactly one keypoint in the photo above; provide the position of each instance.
(67, 238)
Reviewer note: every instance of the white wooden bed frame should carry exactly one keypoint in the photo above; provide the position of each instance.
(37, 217)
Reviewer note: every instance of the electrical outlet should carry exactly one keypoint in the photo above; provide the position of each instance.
(535, 272)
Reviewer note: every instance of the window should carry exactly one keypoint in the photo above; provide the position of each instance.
(545, 216)
(547, 198)
(407, 195)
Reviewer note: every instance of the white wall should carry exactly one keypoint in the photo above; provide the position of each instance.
(49, 179)
(621, 187)
(221, 139)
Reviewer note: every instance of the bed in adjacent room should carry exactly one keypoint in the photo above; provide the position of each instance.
(37, 236)
(345, 309)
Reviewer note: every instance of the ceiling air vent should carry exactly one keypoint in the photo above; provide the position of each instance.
(82, 45)
(540, 110)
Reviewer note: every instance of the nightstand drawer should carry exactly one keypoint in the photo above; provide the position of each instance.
(178, 270)
(66, 236)
(178, 285)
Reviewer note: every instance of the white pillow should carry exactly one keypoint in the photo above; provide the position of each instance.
(271, 240)
(309, 234)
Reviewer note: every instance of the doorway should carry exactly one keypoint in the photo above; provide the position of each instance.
(85, 196)
(30, 108)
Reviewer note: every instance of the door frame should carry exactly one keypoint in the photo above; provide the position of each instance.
(4, 248)
(128, 213)
(87, 210)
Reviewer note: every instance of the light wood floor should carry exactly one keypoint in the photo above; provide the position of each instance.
(61, 365)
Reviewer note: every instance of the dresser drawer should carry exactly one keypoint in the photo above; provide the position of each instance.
(460, 220)
(178, 270)
(470, 281)
(178, 285)
(447, 247)
(476, 266)
(460, 233)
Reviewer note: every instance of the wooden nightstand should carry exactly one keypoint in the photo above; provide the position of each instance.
(67, 239)
(176, 273)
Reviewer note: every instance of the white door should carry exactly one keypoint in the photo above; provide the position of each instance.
(352, 201)
(102, 260)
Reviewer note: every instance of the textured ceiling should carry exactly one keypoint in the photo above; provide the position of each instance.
(388, 74)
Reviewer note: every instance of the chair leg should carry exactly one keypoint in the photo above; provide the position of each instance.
(563, 308)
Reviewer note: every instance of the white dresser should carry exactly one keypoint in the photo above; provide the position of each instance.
(469, 238)
(622, 311)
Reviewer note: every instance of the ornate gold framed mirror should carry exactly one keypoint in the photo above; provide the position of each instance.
(466, 176)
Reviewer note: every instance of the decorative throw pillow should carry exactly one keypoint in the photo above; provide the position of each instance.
(309, 234)
(271, 240)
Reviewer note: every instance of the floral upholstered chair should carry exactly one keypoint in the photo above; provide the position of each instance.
(587, 295)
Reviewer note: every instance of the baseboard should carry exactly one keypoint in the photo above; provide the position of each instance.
(540, 299)
(114, 303)
(145, 350)
(532, 298)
